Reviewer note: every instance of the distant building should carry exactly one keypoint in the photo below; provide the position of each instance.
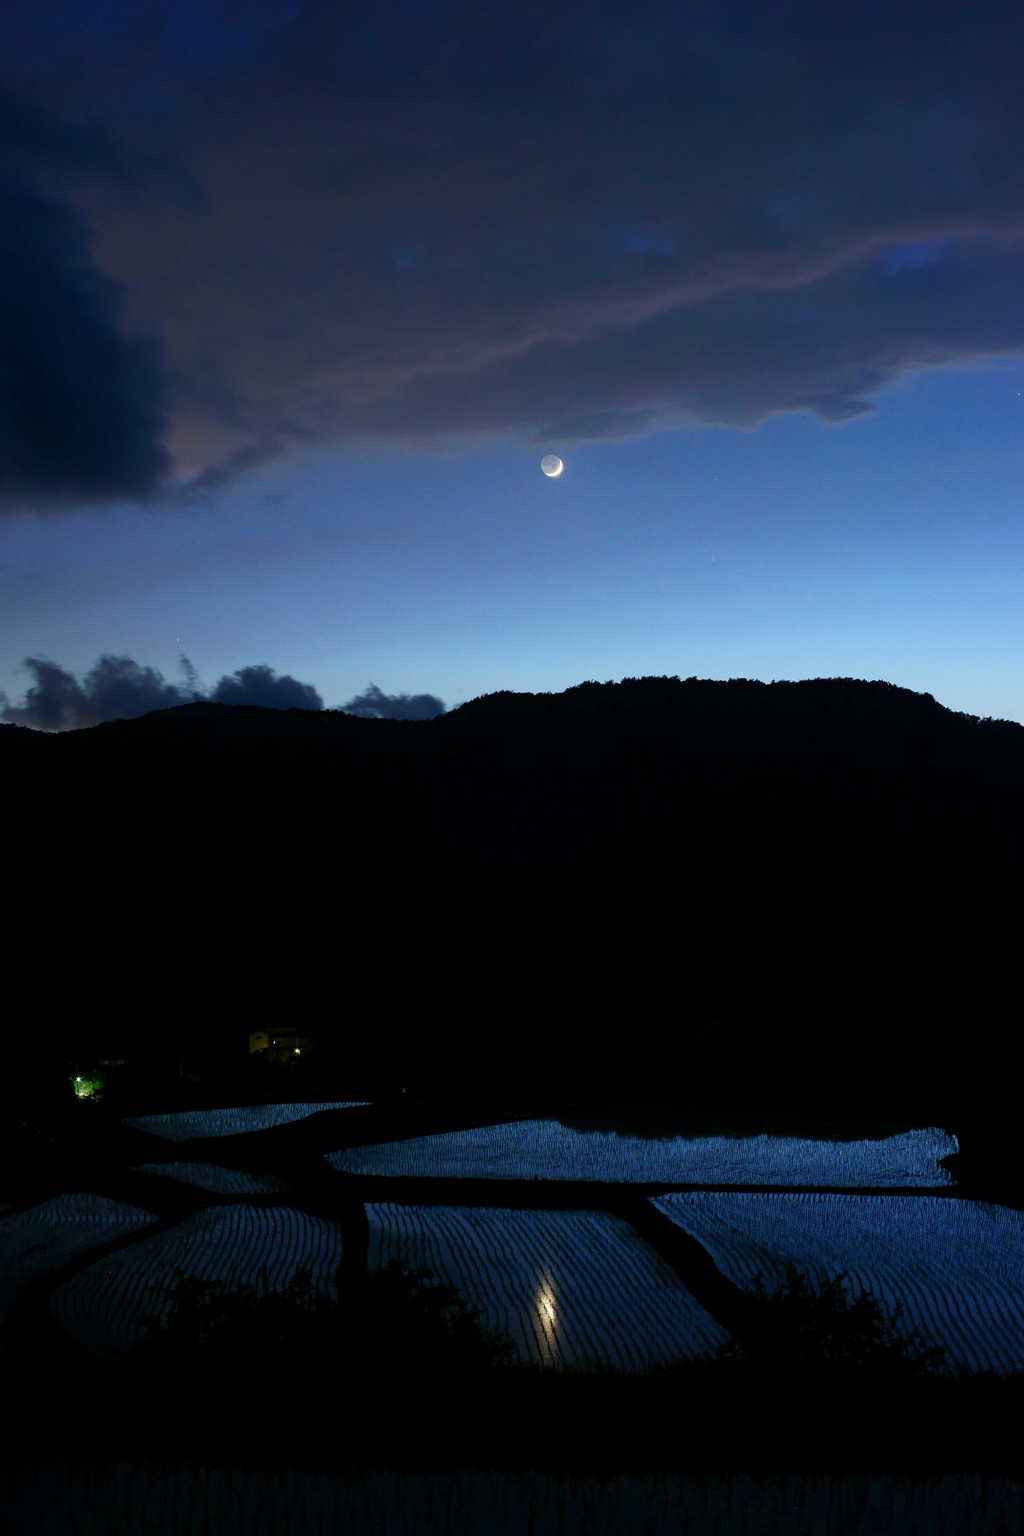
(280, 1044)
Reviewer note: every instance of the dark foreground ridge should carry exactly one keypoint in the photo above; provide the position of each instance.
(798, 894)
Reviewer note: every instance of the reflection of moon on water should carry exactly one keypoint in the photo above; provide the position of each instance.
(545, 1306)
(552, 465)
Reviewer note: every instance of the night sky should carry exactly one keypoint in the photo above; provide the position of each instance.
(296, 296)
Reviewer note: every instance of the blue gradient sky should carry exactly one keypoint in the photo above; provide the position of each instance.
(734, 532)
(891, 547)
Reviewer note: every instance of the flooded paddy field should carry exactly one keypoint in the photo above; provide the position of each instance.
(550, 1227)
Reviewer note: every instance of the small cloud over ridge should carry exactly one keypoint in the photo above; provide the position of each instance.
(377, 705)
(261, 686)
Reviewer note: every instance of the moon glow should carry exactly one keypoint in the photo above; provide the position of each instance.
(552, 465)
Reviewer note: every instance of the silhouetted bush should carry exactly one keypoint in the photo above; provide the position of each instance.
(797, 1328)
(383, 1324)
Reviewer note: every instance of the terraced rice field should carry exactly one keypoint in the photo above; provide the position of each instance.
(101, 1307)
(192, 1124)
(546, 1149)
(571, 1289)
(220, 1181)
(39, 1242)
(956, 1266)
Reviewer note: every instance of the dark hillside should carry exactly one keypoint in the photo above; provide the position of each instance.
(810, 887)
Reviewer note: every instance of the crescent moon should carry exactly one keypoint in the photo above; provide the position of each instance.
(552, 465)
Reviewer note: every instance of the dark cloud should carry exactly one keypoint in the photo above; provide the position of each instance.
(34, 141)
(260, 685)
(118, 688)
(585, 220)
(603, 424)
(375, 705)
(80, 401)
(251, 456)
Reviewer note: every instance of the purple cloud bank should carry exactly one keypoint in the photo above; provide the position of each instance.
(297, 229)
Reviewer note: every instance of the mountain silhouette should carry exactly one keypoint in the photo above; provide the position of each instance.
(786, 890)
